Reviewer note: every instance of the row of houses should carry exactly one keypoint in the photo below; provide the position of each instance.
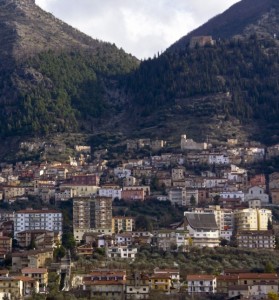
(116, 284)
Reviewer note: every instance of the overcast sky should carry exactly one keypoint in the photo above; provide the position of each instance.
(140, 27)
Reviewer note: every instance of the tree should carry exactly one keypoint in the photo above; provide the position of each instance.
(32, 245)
(59, 253)
(193, 201)
(269, 268)
(143, 223)
(269, 225)
(272, 296)
(224, 242)
(216, 200)
(68, 240)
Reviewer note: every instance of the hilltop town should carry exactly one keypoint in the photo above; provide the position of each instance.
(133, 224)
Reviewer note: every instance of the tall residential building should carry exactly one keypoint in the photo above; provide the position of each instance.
(178, 196)
(44, 219)
(252, 219)
(92, 215)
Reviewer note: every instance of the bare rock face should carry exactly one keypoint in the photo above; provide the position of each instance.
(25, 29)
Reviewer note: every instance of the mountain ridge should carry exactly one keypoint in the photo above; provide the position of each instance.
(51, 74)
(57, 80)
(234, 22)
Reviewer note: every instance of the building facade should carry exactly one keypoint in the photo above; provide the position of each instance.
(30, 219)
(91, 214)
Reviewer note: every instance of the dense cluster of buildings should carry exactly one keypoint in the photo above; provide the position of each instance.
(223, 205)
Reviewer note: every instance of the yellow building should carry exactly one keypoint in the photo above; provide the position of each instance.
(252, 219)
(123, 224)
(11, 286)
(160, 282)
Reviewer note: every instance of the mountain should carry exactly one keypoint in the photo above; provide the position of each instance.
(57, 80)
(52, 77)
(226, 89)
(242, 19)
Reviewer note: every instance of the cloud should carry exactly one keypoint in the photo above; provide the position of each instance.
(140, 27)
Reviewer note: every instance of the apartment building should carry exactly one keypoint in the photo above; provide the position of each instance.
(252, 219)
(39, 274)
(125, 252)
(256, 239)
(31, 259)
(91, 215)
(124, 224)
(106, 283)
(111, 192)
(201, 284)
(12, 287)
(203, 229)
(224, 219)
(31, 219)
(178, 196)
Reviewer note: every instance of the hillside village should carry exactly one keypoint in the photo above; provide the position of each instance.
(85, 220)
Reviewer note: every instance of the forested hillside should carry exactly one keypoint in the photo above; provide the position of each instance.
(247, 70)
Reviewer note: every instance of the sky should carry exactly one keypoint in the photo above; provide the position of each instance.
(141, 27)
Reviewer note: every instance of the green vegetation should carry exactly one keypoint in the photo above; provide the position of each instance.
(207, 260)
(246, 69)
(151, 214)
(58, 89)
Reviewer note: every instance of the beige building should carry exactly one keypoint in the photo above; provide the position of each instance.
(39, 274)
(13, 191)
(81, 190)
(178, 173)
(92, 215)
(124, 224)
(42, 238)
(31, 259)
(252, 219)
(189, 144)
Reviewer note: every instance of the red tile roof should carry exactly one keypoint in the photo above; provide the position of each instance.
(200, 277)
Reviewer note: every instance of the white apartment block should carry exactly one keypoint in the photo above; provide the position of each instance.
(203, 229)
(224, 219)
(121, 172)
(233, 194)
(44, 219)
(64, 195)
(214, 182)
(201, 284)
(122, 252)
(218, 159)
(110, 192)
